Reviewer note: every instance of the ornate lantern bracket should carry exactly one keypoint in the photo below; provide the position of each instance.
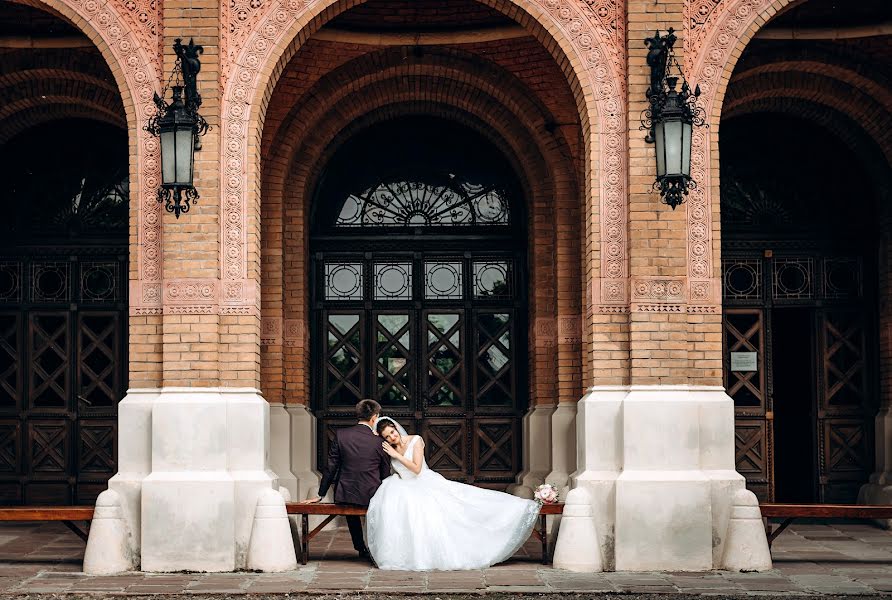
(669, 119)
(179, 127)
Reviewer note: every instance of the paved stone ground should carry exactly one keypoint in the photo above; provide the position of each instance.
(810, 560)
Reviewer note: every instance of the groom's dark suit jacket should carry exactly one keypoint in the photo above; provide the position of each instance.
(356, 465)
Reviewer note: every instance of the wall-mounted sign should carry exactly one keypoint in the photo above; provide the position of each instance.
(744, 361)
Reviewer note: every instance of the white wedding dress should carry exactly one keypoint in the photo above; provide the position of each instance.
(426, 522)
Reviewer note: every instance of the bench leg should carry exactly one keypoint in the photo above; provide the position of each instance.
(77, 530)
(771, 535)
(543, 535)
(304, 539)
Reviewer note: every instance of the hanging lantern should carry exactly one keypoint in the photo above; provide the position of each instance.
(670, 118)
(179, 127)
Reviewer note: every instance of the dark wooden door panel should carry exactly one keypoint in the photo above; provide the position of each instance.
(62, 374)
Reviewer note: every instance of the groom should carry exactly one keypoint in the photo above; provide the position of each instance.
(356, 465)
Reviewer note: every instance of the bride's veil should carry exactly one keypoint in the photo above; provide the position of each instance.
(399, 427)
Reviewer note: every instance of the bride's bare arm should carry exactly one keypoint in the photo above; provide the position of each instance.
(413, 465)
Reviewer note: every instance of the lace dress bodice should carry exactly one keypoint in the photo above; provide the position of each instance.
(402, 470)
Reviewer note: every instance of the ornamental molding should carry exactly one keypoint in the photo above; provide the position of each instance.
(253, 30)
(271, 331)
(131, 32)
(545, 332)
(225, 298)
(657, 308)
(296, 333)
(190, 310)
(570, 329)
(659, 289)
(712, 309)
(191, 291)
(715, 33)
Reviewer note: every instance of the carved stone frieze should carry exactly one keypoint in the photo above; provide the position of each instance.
(570, 329)
(715, 33)
(545, 332)
(271, 331)
(130, 36)
(670, 290)
(590, 31)
(296, 333)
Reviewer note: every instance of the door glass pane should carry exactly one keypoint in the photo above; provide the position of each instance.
(444, 359)
(442, 280)
(492, 279)
(343, 373)
(343, 281)
(494, 360)
(393, 281)
(393, 368)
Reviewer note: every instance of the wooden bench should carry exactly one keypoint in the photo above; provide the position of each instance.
(66, 514)
(339, 510)
(791, 512)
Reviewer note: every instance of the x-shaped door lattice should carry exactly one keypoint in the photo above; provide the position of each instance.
(393, 361)
(97, 361)
(494, 358)
(49, 360)
(344, 355)
(444, 359)
(843, 357)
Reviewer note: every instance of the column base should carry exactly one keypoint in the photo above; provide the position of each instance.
(877, 493)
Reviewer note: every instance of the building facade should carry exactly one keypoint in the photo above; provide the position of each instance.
(447, 206)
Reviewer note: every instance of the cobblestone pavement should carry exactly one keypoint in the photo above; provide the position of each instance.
(810, 560)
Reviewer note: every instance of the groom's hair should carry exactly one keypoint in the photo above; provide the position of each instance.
(366, 409)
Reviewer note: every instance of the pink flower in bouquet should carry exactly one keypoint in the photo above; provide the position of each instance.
(546, 493)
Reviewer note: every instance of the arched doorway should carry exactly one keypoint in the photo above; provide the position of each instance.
(418, 247)
(799, 246)
(63, 309)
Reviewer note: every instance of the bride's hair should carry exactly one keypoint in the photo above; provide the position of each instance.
(383, 424)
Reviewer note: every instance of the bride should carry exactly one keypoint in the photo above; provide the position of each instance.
(420, 521)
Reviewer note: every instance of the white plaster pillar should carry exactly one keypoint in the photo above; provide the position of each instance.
(210, 462)
(303, 451)
(878, 490)
(659, 463)
(280, 447)
(134, 458)
(563, 446)
(599, 459)
(536, 450)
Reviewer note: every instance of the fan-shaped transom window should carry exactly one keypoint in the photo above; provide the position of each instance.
(415, 173)
(416, 202)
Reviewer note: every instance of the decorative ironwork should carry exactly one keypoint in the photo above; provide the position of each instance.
(793, 278)
(742, 279)
(393, 281)
(443, 280)
(100, 282)
(343, 281)
(842, 278)
(10, 281)
(50, 281)
(447, 200)
(667, 105)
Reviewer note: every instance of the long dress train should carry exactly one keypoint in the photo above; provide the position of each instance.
(426, 522)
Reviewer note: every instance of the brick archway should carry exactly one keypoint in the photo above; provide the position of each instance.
(586, 41)
(128, 36)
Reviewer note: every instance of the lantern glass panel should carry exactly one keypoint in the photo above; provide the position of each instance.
(184, 147)
(660, 145)
(673, 142)
(686, 129)
(168, 157)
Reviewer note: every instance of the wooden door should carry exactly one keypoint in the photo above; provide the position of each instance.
(62, 334)
(844, 433)
(746, 381)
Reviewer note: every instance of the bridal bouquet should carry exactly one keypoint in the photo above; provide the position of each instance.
(547, 493)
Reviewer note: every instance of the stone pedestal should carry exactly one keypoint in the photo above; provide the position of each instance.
(280, 447)
(878, 490)
(536, 450)
(210, 455)
(659, 463)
